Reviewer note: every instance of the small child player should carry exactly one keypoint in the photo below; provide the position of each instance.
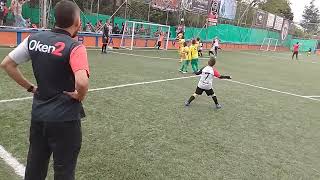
(186, 55)
(205, 83)
(200, 47)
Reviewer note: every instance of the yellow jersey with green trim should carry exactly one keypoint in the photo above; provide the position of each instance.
(186, 53)
(181, 42)
(194, 52)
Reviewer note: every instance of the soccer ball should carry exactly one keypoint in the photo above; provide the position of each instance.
(182, 20)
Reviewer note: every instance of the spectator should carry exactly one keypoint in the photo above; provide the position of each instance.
(5, 14)
(108, 25)
(2, 5)
(116, 29)
(98, 26)
(142, 31)
(34, 26)
(88, 27)
(16, 8)
(28, 23)
(122, 28)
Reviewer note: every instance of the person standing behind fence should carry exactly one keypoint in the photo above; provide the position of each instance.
(106, 32)
(296, 50)
(16, 8)
(61, 70)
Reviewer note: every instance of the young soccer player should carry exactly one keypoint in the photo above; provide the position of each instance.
(186, 58)
(194, 56)
(295, 50)
(181, 41)
(309, 52)
(160, 39)
(205, 83)
(216, 46)
(200, 47)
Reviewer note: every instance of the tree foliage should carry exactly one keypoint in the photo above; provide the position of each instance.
(278, 7)
(311, 18)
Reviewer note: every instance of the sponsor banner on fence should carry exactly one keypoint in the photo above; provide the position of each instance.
(166, 5)
(213, 13)
(260, 19)
(198, 6)
(285, 30)
(278, 23)
(228, 9)
(270, 20)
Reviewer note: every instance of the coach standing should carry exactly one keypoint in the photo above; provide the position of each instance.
(61, 70)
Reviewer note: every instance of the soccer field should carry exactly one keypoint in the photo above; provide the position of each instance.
(138, 128)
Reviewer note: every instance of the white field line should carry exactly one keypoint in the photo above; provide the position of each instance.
(312, 96)
(18, 168)
(274, 90)
(110, 87)
(277, 57)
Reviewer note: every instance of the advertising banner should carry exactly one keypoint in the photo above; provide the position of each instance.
(228, 9)
(270, 20)
(260, 19)
(213, 13)
(278, 23)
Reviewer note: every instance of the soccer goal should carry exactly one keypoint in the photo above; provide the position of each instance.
(144, 35)
(269, 44)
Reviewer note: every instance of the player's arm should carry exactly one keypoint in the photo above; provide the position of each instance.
(80, 67)
(199, 72)
(11, 62)
(218, 75)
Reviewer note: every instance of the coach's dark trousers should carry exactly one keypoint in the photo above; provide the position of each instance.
(63, 140)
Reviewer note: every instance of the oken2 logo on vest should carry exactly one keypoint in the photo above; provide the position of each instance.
(54, 50)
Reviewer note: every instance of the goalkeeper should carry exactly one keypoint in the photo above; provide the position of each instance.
(205, 84)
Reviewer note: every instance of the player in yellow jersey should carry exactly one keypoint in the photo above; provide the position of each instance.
(194, 56)
(186, 58)
(181, 41)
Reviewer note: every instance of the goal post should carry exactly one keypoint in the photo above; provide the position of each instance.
(144, 35)
(269, 44)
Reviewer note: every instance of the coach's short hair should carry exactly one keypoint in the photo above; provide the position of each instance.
(65, 13)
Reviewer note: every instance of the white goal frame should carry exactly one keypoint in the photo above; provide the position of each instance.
(132, 35)
(267, 42)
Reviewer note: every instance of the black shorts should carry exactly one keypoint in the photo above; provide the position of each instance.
(159, 43)
(209, 92)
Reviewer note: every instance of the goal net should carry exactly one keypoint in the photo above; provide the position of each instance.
(269, 44)
(144, 35)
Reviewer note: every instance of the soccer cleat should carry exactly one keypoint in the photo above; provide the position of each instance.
(218, 106)
(187, 104)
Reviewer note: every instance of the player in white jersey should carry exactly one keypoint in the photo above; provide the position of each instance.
(205, 83)
(215, 47)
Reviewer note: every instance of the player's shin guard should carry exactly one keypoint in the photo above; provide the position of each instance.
(215, 99)
(191, 99)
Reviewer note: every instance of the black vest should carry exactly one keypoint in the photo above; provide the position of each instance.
(50, 55)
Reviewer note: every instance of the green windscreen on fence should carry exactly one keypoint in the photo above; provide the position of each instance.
(235, 34)
(225, 32)
(305, 45)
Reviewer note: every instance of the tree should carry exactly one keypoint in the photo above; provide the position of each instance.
(278, 7)
(311, 18)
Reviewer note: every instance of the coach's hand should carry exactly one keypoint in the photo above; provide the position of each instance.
(74, 95)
